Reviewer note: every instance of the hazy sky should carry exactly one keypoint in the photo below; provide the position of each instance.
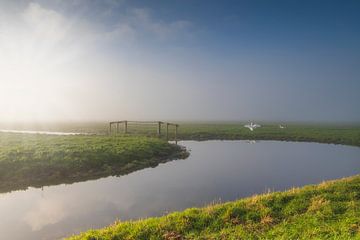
(179, 60)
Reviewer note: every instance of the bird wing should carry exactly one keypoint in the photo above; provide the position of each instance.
(249, 127)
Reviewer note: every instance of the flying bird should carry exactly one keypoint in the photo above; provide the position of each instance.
(252, 126)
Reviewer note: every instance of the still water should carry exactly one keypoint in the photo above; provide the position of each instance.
(215, 171)
(40, 132)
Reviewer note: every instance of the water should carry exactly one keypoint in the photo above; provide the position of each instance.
(40, 132)
(215, 170)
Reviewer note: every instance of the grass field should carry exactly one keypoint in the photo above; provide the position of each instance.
(347, 134)
(38, 160)
(330, 210)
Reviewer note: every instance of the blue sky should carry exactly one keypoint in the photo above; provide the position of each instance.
(180, 60)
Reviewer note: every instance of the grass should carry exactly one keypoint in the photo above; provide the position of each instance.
(38, 160)
(347, 134)
(330, 210)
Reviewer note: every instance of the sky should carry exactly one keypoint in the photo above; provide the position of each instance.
(103, 60)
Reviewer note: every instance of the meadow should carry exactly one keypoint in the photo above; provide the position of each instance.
(346, 134)
(37, 160)
(336, 134)
(330, 210)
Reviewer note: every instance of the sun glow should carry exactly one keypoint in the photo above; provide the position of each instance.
(38, 53)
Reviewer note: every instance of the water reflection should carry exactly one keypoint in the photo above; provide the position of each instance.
(215, 170)
(45, 213)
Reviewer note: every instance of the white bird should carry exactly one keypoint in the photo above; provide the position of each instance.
(252, 126)
(281, 126)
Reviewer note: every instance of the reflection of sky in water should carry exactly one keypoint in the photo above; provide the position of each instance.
(215, 170)
(46, 212)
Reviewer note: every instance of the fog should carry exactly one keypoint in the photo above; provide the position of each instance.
(97, 61)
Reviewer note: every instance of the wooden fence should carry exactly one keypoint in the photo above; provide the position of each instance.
(114, 127)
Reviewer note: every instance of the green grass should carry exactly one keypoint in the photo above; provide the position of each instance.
(347, 134)
(330, 210)
(38, 160)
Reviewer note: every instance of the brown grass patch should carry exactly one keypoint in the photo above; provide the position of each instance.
(317, 203)
(172, 236)
(267, 220)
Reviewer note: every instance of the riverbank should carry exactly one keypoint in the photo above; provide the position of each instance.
(329, 210)
(35, 160)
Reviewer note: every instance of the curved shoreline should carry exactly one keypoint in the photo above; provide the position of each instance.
(327, 210)
(43, 160)
(242, 224)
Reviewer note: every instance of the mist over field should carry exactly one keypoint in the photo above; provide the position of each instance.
(82, 60)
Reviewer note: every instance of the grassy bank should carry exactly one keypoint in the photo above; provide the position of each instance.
(38, 160)
(330, 210)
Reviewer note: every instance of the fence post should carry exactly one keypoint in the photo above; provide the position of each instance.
(125, 126)
(176, 130)
(159, 128)
(167, 131)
